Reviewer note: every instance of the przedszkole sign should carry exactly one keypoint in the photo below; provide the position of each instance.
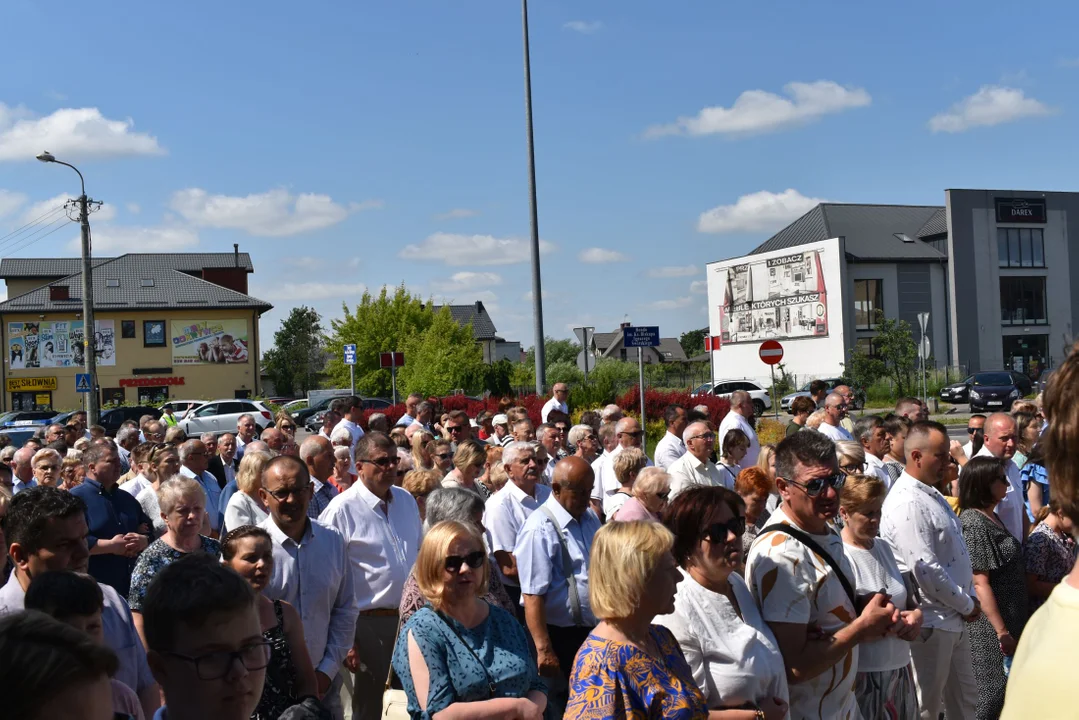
(1020, 210)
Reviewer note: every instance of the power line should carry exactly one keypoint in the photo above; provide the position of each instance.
(30, 224)
(64, 222)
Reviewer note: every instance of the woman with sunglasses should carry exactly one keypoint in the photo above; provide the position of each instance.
(885, 675)
(651, 490)
(421, 456)
(730, 649)
(162, 463)
(469, 462)
(460, 654)
(286, 424)
(441, 452)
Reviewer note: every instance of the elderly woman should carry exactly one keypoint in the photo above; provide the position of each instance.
(851, 457)
(461, 656)
(469, 462)
(421, 456)
(735, 447)
(497, 477)
(7, 455)
(999, 580)
(582, 438)
(755, 488)
(420, 484)
(245, 507)
(885, 681)
(342, 477)
(46, 466)
(441, 452)
(183, 505)
(627, 465)
(72, 471)
(650, 493)
(452, 505)
(815, 419)
(629, 667)
(163, 463)
(175, 435)
(731, 651)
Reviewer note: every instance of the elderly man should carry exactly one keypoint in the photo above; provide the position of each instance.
(794, 571)
(549, 436)
(245, 433)
(584, 442)
(835, 410)
(869, 431)
(696, 466)
(740, 417)
(53, 433)
(23, 470)
(378, 422)
(507, 510)
(554, 587)
(193, 463)
(1001, 441)
(559, 395)
(126, 440)
(412, 404)
(274, 438)
(330, 419)
(502, 436)
(927, 540)
(317, 455)
(671, 446)
(382, 529)
(311, 571)
(848, 398)
(611, 414)
(119, 527)
(523, 431)
(628, 434)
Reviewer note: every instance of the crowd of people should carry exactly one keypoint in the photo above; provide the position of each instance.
(447, 566)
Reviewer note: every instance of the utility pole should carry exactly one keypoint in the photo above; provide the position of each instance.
(537, 287)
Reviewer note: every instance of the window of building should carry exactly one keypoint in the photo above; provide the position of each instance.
(153, 395)
(1021, 247)
(113, 396)
(865, 347)
(1022, 301)
(868, 299)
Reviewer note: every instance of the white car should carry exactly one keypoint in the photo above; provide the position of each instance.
(180, 408)
(221, 416)
(724, 388)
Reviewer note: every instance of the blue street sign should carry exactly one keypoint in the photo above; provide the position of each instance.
(350, 354)
(640, 337)
(82, 382)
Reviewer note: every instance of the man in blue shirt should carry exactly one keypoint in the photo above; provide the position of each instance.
(23, 470)
(119, 527)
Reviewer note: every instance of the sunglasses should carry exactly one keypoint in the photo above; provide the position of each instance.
(455, 428)
(663, 495)
(444, 456)
(283, 494)
(816, 486)
(636, 434)
(288, 427)
(474, 560)
(717, 533)
(973, 430)
(707, 437)
(383, 462)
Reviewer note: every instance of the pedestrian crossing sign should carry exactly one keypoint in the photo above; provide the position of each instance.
(82, 382)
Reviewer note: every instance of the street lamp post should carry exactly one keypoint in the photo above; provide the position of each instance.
(89, 329)
(537, 289)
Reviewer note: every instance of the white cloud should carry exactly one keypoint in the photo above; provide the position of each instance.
(601, 255)
(465, 281)
(758, 111)
(119, 239)
(674, 271)
(585, 27)
(304, 262)
(312, 291)
(991, 105)
(457, 214)
(70, 133)
(10, 201)
(133, 208)
(104, 213)
(353, 262)
(276, 213)
(456, 249)
(698, 287)
(757, 212)
(676, 304)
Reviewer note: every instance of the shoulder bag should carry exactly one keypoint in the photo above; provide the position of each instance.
(394, 701)
(810, 543)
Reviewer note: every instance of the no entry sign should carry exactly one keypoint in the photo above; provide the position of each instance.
(771, 352)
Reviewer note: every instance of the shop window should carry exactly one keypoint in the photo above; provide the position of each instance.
(1021, 247)
(868, 300)
(113, 396)
(1022, 301)
(153, 396)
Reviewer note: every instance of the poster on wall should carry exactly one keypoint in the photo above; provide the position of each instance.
(781, 297)
(201, 342)
(58, 344)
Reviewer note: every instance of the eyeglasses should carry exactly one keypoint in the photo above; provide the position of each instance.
(444, 456)
(216, 665)
(285, 493)
(663, 495)
(473, 560)
(717, 533)
(562, 427)
(455, 428)
(973, 430)
(635, 434)
(851, 469)
(384, 462)
(707, 437)
(816, 486)
(288, 427)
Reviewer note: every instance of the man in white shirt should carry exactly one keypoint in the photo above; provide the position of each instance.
(411, 403)
(976, 431)
(193, 463)
(246, 429)
(351, 411)
(140, 461)
(312, 572)
(869, 431)
(627, 434)
(548, 436)
(848, 398)
(835, 409)
(927, 540)
(502, 436)
(382, 529)
(330, 418)
(317, 454)
(1001, 441)
(671, 447)
(508, 509)
(559, 395)
(696, 466)
(740, 417)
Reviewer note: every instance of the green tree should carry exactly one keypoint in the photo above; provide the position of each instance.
(693, 342)
(895, 344)
(297, 357)
(555, 351)
(862, 370)
(441, 359)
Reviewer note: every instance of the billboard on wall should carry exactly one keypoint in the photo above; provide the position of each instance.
(201, 342)
(58, 344)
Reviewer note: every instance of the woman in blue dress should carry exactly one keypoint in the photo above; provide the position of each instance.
(459, 652)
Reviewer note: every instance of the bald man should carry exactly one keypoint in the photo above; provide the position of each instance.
(22, 470)
(557, 609)
(317, 454)
(1001, 441)
(627, 434)
(835, 411)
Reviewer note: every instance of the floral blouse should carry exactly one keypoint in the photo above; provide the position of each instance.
(1048, 556)
(153, 559)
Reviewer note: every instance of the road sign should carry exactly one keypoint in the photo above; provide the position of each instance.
(771, 352)
(711, 343)
(82, 382)
(640, 337)
(391, 359)
(586, 361)
(350, 354)
(924, 348)
(584, 335)
(923, 321)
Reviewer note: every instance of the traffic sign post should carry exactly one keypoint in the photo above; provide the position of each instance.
(771, 353)
(585, 359)
(350, 360)
(82, 382)
(923, 351)
(640, 338)
(392, 360)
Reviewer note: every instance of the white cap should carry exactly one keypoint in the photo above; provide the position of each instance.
(500, 419)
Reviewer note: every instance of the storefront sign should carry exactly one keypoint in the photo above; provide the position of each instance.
(150, 382)
(1019, 210)
(31, 384)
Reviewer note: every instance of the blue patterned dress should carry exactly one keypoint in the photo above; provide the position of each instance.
(154, 559)
(615, 680)
(498, 642)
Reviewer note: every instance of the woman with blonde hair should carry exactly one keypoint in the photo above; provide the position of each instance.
(342, 477)
(461, 656)
(497, 477)
(162, 463)
(286, 425)
(245, 507)
(469, 462)
(627, 465)
(72, 470)
(46, 467)
(421, 455)
(815, 419)
(629, 667)
(420, 484)
(651, 490)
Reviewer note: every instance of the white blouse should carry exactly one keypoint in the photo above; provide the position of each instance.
(876, 570)
(243, 510)
(735, 660)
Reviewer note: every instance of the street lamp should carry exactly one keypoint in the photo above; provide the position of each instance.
(537, 291)
(89, 330)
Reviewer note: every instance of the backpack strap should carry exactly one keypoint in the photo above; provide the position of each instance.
(810, 543)
(567, 569)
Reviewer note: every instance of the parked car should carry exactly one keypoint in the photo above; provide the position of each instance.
(959, 392)
(1023, 382)
(180, 408)
(25, 418)
(301, 416)
(859, 394)
(993, 391)
(723, 388)
(221, 416)
(18, 436)
(111, 420)
(294, 406)
(314, 422)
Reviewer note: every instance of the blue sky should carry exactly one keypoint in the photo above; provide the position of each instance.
(351, 145)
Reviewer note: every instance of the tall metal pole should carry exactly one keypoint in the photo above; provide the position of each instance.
(352, 380)
(393, 374)
(640, 369)
(537, 288)
(89, 329)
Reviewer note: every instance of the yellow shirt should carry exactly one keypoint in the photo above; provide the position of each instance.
(1046, 660)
